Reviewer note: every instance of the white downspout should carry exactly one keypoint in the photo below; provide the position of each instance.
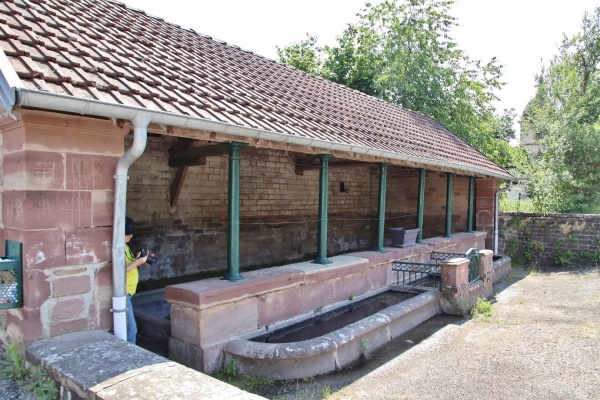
(496, 206)
(140, 135)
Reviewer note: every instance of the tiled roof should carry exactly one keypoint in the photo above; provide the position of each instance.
(103, 50)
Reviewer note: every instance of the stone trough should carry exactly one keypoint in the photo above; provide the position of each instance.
(333, 351)
(213, 320)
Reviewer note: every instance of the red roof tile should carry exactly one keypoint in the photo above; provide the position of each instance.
(103, 50)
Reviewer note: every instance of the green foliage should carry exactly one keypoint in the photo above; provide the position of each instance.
(230, 375)
(522, 247)
(563, 257)
(326, 391)
(230, 371)
(14, 366)
(564, 119)
(42, 385)
(458, 303)
(516, 205)
(482, 307)
(364, 345)
(37, 381)
(401, 51)
(305, 55)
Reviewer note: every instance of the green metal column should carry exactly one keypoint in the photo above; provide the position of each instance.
(233, 211)
(471, 211)
(421, 204)
(323, 194)
(381, 207)
(448, 230)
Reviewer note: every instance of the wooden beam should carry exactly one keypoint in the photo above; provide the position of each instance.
(308, 162)
(305, 162)
(177, 184)
(196, 152)
(181, 172)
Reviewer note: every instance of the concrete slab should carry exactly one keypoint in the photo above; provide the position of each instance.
(97, 365)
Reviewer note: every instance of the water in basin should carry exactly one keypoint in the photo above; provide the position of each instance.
(330, 321)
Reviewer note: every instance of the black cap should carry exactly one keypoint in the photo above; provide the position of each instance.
(129, 226)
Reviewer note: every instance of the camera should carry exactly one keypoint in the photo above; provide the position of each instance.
(150, 260)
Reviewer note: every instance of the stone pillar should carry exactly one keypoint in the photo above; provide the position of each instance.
(455, 286)
(57, 200)
(486, 272)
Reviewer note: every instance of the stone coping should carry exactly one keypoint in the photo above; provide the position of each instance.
(97, 365)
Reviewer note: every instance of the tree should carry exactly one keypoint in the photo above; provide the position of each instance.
(402, 52)
(564, 117)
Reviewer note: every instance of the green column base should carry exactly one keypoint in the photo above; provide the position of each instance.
(233, 277)
(380, 250)
(322, 261)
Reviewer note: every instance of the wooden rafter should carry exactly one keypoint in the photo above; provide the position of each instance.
(181, 171)
(311, 162)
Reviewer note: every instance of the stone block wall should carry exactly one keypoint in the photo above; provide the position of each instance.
(57, 196)
(550, 240)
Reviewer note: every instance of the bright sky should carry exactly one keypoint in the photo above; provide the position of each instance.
(521, 34)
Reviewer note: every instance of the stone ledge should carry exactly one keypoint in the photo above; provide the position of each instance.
(97, 365)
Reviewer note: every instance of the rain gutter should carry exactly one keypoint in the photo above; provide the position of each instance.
(140, 135)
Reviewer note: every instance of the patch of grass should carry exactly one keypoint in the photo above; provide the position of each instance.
(14, 365)
(250, 384)
(42, 385)
(482, 307)
(364, 345)
(458, 303)
(326, 391)
(36, 381)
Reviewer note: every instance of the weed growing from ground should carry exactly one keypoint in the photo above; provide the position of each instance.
(14, 366)
(231, 375)
(482, 307)
(36, 381)
(42, 385)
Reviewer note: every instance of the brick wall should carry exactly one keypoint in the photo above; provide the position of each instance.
(550, 239)
(278, 209)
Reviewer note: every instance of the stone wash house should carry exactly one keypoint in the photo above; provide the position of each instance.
(226, 160)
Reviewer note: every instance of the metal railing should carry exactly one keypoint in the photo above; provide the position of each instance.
(418, 274)
(428, 275)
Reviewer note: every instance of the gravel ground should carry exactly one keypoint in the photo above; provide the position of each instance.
(9, 389)
(542, 342)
